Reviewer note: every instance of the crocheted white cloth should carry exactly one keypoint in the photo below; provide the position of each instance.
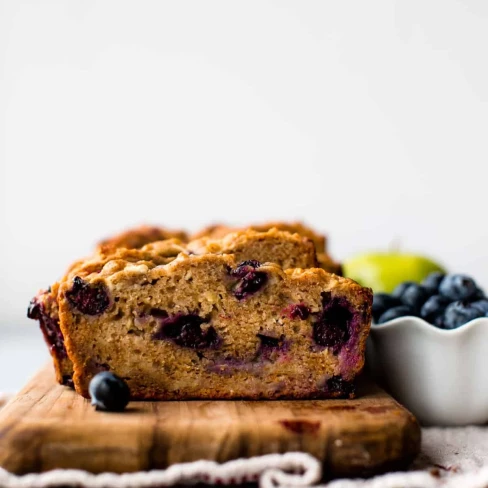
(450, 458)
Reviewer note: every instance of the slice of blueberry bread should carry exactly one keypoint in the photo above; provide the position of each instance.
(44, 306)
(283, 248)
(325, 261)
(208, 326)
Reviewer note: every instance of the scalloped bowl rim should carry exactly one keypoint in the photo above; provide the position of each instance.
(427, 326)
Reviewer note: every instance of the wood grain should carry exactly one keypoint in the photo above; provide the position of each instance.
(48, 426)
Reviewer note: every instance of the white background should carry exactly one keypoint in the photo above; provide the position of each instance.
(367, 119)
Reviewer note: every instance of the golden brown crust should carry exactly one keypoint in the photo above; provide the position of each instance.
(217, 231)
(138, 237)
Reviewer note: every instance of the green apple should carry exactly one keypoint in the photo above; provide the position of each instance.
(383, 271)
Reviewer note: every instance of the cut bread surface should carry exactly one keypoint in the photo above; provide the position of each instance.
(210, 327)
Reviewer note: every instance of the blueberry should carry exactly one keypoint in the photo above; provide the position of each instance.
(398, 291)
(458, 287)
(252, 283)
(87, 298)
(433, 308)
(433, 281)
(34, 311)
(394, 313)
(185, 330)
(479, 294)
(332, 327)
(481, 305)
(382, 302)
(336, 384)
(459, 313)
(244, 268)
(250, 280)
(109, 392)
(414, 296)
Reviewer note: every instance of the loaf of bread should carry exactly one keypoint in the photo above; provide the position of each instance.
(245, 306)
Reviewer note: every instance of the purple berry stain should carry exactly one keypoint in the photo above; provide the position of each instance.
(250, 280)
(186, 331)
(299, 311)
(49, 325)
(89, 299)
(332, 328)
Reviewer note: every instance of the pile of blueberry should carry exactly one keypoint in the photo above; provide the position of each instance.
(446, 301)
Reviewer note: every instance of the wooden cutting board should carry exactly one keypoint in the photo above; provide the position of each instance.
(49, 426)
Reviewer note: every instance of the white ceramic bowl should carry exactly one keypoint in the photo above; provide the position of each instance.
(441, 376)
